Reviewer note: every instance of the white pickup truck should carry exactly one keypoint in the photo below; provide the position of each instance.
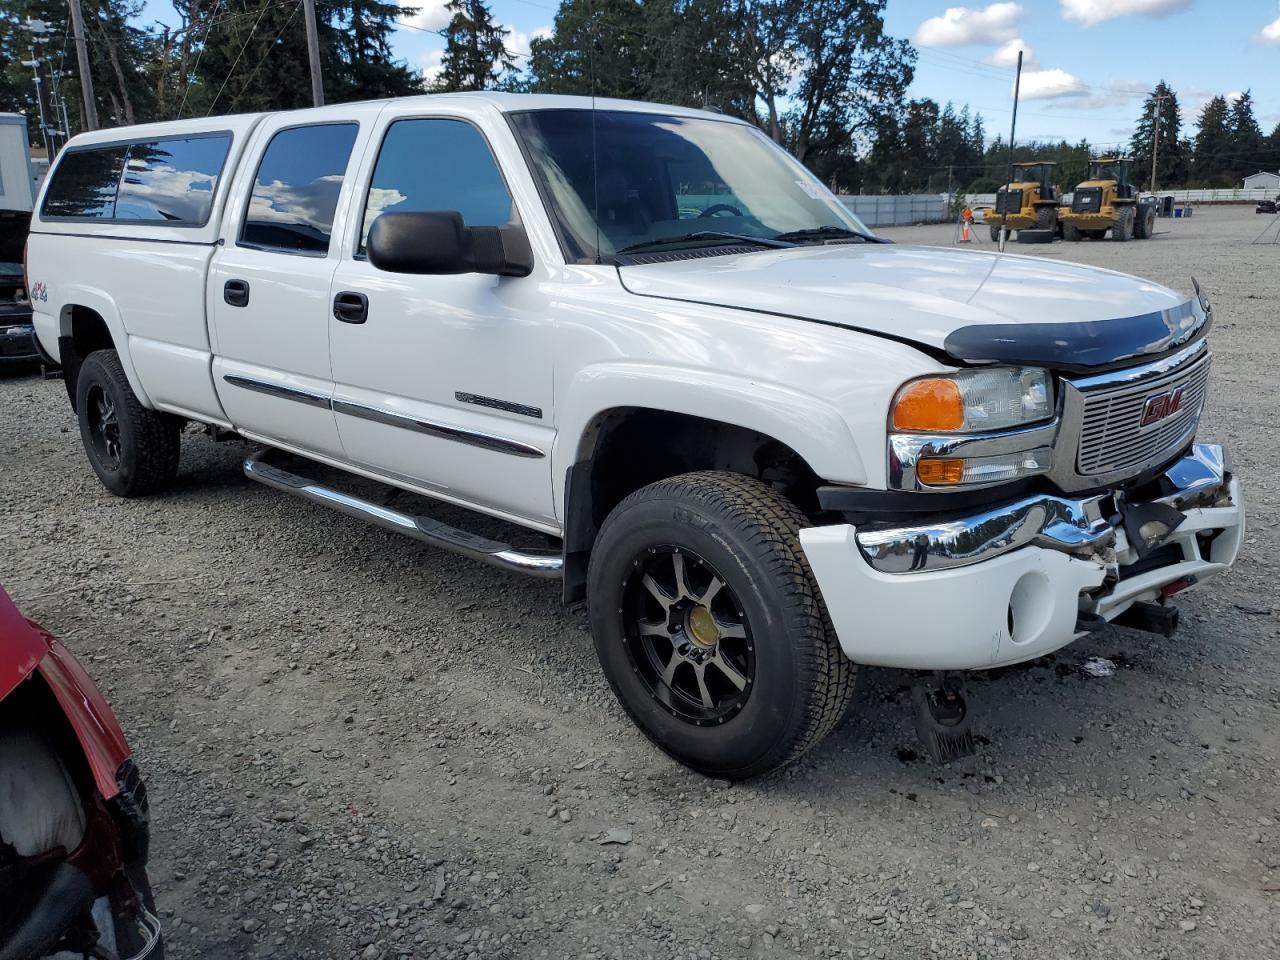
(766, 444)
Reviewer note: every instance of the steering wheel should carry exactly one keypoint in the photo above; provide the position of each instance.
(715, 208)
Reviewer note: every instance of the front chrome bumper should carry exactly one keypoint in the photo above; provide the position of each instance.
(1081, 527)
(1016, 582)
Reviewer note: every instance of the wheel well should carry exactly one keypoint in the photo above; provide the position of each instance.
(628, 448)
(86, 332)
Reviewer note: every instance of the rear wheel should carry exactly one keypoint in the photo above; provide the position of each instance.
(1071, 232)
(709, 626)
(1144, 224)
(133, 450)
(995, 233)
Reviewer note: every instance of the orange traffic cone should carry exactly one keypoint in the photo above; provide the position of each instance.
(964, 233)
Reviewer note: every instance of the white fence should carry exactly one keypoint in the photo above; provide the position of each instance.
(1221, 195)
(890, 210)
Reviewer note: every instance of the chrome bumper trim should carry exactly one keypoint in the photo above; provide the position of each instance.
(1057, 523)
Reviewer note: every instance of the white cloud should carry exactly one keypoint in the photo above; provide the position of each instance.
(431, 14)
(1113, 94)
(520, 43)
(958, 26)
(1271, 32)
(1050, 84)
(431, 63)
(309, 204)
(1090, 13)
(1006, 55)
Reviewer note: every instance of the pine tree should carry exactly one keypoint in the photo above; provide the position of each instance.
(1210, 163)
(1160, 111)
(596, 46)
(1245, 137)
(475, 52)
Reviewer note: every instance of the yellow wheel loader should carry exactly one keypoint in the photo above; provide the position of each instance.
(1108, 200)
(1031, 200)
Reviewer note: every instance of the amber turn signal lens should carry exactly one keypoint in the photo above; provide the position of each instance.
(938, 473)
(932, 404)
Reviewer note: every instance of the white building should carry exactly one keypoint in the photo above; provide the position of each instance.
(1262, 179)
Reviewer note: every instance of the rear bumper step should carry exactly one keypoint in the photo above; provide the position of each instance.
(537, 563)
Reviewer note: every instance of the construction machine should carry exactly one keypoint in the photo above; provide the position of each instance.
(1031, 200)
(1108, 200)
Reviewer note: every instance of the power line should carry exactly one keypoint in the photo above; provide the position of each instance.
(235, 63)
(191, 77)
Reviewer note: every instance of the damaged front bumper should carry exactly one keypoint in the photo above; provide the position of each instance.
(1018, 581)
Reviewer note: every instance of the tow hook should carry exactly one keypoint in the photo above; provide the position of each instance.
(942, 717)
(1151, 617)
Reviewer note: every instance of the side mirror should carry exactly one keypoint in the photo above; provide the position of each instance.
(438, 242)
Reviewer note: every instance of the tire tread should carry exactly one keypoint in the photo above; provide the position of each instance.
(157, 436)
(771, 523)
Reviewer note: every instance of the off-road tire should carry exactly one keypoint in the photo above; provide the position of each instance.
(1144, 224)
(1047, 218)
(1035, 236)
(749, 534)
(995, 233)
(1071, 232)
(149, 441)
(1122, 230)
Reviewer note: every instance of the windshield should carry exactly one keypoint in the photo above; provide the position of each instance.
(1110, 170)
(1035, 174)
(671, 182)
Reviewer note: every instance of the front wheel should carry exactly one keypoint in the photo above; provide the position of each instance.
(709, 626)
(133, 450)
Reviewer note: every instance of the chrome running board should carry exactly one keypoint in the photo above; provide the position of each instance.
(537, 563)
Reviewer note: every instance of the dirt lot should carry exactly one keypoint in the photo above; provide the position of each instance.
(358, 747)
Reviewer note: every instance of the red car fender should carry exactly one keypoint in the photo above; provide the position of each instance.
(26, 647)
(96, 727)
(21, 646)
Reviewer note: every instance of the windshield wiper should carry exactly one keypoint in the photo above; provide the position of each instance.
(829, 233)
(708, 235)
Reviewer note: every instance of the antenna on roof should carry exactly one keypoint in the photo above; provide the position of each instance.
(595, 144)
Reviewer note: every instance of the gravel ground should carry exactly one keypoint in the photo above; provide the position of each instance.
(358, 747)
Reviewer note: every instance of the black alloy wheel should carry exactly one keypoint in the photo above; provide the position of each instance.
(104, 426)
(687, 636)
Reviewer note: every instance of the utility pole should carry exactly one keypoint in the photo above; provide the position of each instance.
(1013, 129)
(90, 116)
(49, 132)
(313, 52)
(1155, 133)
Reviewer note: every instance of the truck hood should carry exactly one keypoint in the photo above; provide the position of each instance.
(973, 307)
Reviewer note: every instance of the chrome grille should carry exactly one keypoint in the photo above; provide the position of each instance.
(1112, 436)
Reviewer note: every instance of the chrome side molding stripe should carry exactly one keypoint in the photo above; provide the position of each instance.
(472, 437)
(536, 563)
(276, 390)
(509, 406)
(475, 438)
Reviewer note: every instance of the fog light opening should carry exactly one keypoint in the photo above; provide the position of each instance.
(1030, 607)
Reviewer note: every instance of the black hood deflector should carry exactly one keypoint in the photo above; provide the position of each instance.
(1083, 346)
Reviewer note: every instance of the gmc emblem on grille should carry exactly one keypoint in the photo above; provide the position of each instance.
(1161, 407)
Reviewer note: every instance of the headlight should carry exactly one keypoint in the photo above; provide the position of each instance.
(974, 401)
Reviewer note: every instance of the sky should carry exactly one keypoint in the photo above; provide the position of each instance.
(1087, 64)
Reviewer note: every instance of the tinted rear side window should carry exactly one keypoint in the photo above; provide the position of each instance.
(295, 192)
(169, 181)
(172, 180)
(85, 184)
